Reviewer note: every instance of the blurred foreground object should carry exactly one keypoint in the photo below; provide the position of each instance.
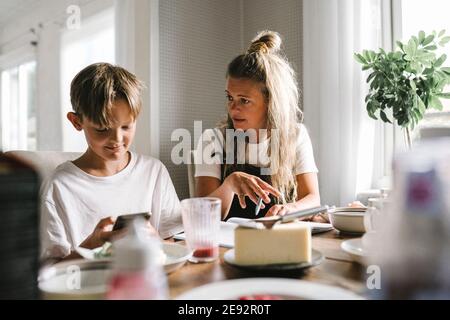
(415, 237)
(19, 235)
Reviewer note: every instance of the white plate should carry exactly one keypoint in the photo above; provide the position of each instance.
(75, 279)
(316, 258)
(286, 288)
(355, 248)
(176, 255)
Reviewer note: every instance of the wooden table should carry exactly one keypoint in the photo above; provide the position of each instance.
(336, 269)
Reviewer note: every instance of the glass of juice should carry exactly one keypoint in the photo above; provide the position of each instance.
(201, 221)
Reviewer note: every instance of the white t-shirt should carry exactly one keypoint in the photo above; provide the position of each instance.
(73, 202)
(208, 162)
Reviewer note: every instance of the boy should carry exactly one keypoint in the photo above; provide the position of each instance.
(83, 197)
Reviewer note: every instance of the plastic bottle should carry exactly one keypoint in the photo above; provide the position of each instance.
(137, 268)
(414, 242)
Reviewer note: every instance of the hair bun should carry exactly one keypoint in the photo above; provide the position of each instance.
(266, 42)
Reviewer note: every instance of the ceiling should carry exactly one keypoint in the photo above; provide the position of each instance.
(10, 9)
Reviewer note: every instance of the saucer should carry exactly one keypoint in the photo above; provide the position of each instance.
(316, 258)
(355, 248)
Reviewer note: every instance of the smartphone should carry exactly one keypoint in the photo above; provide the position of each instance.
(123, 220)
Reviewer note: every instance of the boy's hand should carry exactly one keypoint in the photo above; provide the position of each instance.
(151, 230)
(102, 233)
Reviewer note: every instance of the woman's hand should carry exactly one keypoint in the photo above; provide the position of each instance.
(356, 204)
(279, 210)
(246, 185)
(102, 233)
(282, 209)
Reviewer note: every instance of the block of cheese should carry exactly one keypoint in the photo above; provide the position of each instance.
(284, 243)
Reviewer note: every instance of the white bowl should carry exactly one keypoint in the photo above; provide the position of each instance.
(348, 219)
(75, 280)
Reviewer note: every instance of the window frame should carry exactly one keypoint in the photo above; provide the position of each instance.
(13, 59)
(393, 140)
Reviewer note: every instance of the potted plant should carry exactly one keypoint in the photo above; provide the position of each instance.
(406, 82)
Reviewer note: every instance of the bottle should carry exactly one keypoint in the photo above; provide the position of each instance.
(415, 240)
(137, 267)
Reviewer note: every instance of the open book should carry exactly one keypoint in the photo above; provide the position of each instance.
(226, 236)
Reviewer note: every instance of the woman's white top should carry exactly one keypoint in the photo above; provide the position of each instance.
(208, 155)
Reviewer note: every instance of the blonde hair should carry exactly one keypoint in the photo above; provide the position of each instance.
(264, 63)
(95, 88)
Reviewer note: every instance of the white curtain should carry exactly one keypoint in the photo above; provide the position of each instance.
(334, 89)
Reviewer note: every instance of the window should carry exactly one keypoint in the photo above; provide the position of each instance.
(18, 107)
(431, 15)
(93, 42)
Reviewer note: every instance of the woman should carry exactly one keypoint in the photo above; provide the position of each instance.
(263, 100)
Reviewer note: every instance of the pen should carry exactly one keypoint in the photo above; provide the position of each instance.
(258, 206)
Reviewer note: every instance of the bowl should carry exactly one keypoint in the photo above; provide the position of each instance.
(75, 280)
(348, 219)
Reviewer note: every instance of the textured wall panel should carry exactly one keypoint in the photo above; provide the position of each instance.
(283, 16)
(198, 38)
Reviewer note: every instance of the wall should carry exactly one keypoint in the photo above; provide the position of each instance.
(283, 16)
(197, 41)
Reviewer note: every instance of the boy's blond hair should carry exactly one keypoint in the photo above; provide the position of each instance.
(95, 88)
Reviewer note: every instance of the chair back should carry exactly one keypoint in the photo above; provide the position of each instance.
(45, 162)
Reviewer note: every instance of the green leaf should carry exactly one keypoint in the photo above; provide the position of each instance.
(446, 70)
(411, 123)
(415, 67)
(372, 55)
(444, 95)
(366, 56)
(371, 76)
(441, 33)
(411, 48)
(384, 117)
(418, 113)
(420, 104)
(440, 60)
(397, 55)
(444, 40)
(400, 45)
(428, 71)
(370, 111)
(423, 56)
(428, 40)
(421, 36)
(359, 58)
(435, 103)
(431, 48)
